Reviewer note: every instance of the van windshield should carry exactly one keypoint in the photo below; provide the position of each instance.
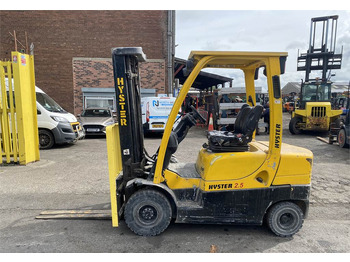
(48, 103)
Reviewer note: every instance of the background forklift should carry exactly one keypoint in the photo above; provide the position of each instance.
(314, 111)
(235, 180)
(289, 103)
(343, 134)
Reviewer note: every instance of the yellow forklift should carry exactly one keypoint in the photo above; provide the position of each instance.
(314, 111)
(235, 180)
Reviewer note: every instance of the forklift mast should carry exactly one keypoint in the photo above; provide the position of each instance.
(128, 106)
(321, 53)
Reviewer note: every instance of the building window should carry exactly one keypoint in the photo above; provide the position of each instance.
(99, 101)
(99, 97)
(105, 97)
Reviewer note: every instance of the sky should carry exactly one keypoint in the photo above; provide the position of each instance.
(254, 25)
(258, 30)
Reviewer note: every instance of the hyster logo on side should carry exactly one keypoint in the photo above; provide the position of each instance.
(278, 136)
(122, 108)
(220, 186)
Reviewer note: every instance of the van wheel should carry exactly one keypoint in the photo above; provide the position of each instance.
(148, 213)
(293, 126)
(285, 219)
(46, 139)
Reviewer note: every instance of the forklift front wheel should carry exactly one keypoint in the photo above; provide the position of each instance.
(285, 219)
(342, 138)
(148, 212)
(293, 126)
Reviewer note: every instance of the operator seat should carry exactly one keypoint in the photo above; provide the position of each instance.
(241, 118)
(237, 141)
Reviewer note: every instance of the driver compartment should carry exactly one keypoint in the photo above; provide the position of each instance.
(225, 167)
(237, 141)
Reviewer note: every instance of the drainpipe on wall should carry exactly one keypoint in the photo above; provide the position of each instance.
(170, 50)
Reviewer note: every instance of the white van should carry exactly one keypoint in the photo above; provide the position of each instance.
(56, 126)
(155, 113)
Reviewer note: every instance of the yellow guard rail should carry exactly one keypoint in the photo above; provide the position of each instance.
(18, 114)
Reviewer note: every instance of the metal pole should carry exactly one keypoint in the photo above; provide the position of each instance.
(313, 41)
(335, 33)
(14, 35)
(171, 50)
(326, 35)
(26, 36)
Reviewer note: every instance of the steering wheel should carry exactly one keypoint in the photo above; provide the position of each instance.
(197, 115)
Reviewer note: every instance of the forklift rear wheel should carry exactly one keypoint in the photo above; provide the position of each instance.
(285, 219)
(342, 138)
(148, 212)
(293, 126)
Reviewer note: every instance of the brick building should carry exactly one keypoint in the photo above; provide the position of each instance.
(73, 50)
(93, 81)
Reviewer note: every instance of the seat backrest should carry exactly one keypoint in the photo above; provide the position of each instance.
(241, 118)
(252, 120)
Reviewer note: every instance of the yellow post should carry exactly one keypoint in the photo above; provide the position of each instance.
(34, 109)
(275, 104)
(250, 88)
(114, 167)
(2, 85)
(250, 85)
(27, 124)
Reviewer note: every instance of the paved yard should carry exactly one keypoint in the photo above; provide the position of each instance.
(76, 177)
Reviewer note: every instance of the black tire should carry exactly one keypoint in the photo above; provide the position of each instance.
(285, 219)
(342, 138)
(148, 213)
(338, 123)
(46, 139)
(293, 126)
